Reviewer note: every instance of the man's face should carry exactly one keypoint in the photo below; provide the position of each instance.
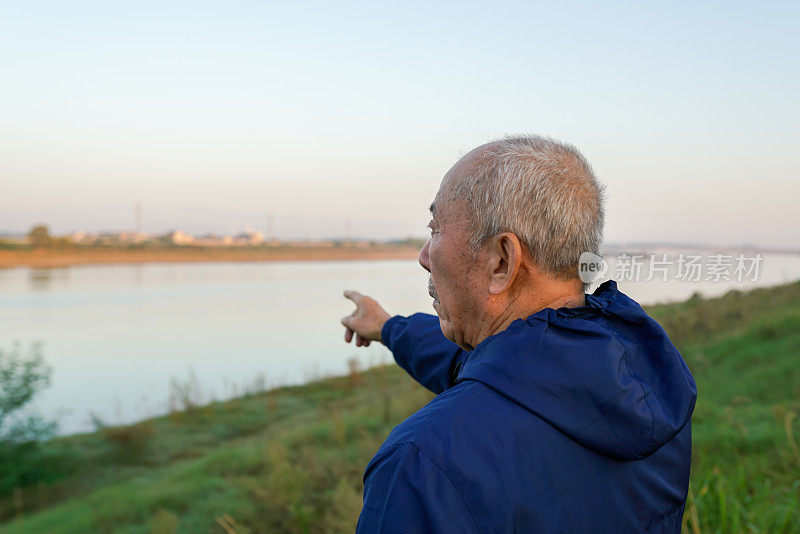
(454, 283)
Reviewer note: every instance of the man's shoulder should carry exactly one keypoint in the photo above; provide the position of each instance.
(454, 415)
(443, 410)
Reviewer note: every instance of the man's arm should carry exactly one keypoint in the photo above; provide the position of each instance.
(416, 341)
(406, 492)
(420, 348)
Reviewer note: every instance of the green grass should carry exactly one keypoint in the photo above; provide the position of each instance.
(286, 460)
(291, 459)
(744, 352)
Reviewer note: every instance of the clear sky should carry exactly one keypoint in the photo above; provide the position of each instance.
(214, 114)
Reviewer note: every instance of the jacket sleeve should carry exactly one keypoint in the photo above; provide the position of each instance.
(420, 348)
(405, 492)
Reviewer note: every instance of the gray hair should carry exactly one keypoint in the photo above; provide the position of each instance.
(543, 191)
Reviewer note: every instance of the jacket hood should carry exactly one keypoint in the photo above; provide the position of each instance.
(605, 373)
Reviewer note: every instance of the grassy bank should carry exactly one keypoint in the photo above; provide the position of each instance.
(291, 460)
(744, 351)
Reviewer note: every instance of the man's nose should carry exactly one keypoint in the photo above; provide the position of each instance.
(424, 260)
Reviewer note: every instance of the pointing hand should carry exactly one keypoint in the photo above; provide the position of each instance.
(366, 322)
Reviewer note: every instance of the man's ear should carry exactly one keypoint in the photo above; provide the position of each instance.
(505, 259)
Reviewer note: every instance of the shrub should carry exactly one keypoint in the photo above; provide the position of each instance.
(21, 378)
(185, 395)
(129, 441)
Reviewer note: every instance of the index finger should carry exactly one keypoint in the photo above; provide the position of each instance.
(353, 295)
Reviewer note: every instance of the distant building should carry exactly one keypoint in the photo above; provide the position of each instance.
(249, 237)
(213, 240)
(256, 237)
(83, 238)
(178, 237)
(132, 237)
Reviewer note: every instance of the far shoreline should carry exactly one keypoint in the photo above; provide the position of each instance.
(47, 257)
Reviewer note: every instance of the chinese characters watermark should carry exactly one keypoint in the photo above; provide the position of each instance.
(681, 267)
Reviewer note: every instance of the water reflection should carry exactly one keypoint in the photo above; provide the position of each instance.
(41, 279)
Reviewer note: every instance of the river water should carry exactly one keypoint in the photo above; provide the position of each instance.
(117, 335)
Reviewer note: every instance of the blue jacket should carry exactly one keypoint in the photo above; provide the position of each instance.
(572, 420)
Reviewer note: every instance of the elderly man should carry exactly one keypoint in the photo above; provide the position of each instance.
(557, 411)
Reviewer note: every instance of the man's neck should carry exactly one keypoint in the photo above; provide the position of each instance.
(516, 310)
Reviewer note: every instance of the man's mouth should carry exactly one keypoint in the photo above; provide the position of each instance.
(432, 290)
